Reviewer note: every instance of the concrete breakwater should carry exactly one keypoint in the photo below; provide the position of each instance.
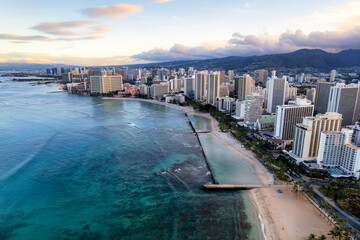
(226, 171)
(202, 150)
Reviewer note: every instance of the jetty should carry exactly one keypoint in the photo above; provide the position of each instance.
(212, 186)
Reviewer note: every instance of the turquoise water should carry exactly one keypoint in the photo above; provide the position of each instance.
(76, 167)
(333, 173)
(200, 123)
(226, 166)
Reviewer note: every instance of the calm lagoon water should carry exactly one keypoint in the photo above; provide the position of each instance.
(77, 167)
(200, 123)
(227, 167)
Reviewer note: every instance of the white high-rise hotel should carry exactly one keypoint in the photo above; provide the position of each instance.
(339, 150)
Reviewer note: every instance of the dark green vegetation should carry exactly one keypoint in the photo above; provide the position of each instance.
(345, 193)
(340, 231)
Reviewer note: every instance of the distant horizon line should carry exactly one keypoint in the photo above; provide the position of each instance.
(174, 61)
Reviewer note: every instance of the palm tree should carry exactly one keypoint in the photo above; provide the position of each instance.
(295, 188)
(322, 237)
(335, 232)
(311, 237)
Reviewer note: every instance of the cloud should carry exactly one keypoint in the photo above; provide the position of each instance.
(24, 38)
(112, 11)
(61, 28)
(161, 1)
(18, 57)
(62, 31)
(339, 16)
(27, 39)
(247, 45)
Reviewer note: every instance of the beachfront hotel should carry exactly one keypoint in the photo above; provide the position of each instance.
(253, 108)
(307, 133)
(105, 84)
(337, 150)
(287, 116)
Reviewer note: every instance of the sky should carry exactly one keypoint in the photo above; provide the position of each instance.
(110, 32)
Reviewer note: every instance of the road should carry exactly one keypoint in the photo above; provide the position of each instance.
(352, 220)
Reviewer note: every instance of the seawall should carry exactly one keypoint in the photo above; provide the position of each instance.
(202, 150)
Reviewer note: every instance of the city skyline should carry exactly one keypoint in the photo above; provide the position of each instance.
(126, 32)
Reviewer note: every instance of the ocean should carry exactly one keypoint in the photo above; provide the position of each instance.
(79, 167)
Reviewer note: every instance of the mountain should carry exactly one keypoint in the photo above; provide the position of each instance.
(351, 57)
(304, 58)
(28, 66)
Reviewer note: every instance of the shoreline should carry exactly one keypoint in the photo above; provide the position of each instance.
(262, 174)
(280, 215)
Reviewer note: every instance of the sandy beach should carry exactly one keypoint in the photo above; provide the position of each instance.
(284, 215)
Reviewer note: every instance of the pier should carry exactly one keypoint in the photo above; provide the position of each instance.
(212, 186)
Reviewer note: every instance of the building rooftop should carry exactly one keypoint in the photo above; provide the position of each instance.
(266, 120)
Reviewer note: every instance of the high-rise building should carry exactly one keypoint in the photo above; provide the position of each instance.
(301, 78)
(337, 151)
(212, 87)
(189, 87)
(261, 75)
(143, 89)
(330, 148)
(291, 92)
(253, 108)
(310, 94)
(236, 85)
(244, 86)
(273, 74)
(322, 95)
(159, 90)
(332, 75)
(224, 90)
(307, 133)
(105, 84)
(176, 85)
(345, 99)
(222, 76)
(200, 86)
(225, 104)
(287, 116)
(350, 160)
(276, 93)
(191, 71)
(231, 75)
(181, 71)
(240, 109)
